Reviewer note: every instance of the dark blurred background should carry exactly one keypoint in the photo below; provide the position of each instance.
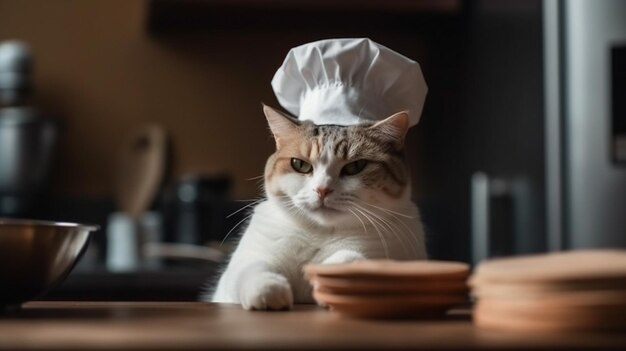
(521, 146)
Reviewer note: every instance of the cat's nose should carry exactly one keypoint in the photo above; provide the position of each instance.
(323, 192)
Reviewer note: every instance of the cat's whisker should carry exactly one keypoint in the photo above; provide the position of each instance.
(388, 210)
(412, 239)
(248, 200)
(244, 207)
(380, 235)
(253, 203)
(257, 177)
(361, 111)
(372, 215)
(234, 227)
(360, 220)
(391, 230)
(292, 208)
(396, 217)
(413, 236)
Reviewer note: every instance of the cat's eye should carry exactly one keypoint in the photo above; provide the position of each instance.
(301, 166)
(354, 167)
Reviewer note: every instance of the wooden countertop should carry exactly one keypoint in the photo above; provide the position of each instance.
(173, 325)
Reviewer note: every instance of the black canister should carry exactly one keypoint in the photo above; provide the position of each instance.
(28, 138)
(197, 212)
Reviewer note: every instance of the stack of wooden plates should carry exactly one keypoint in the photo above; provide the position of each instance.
(579, 290)
(390, 289)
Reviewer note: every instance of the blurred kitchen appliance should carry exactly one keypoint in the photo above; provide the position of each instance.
(27, 137)
(585, 97)
(140, 172)
(500, 140)
(546, 157)
(197, 212)
(618, 99)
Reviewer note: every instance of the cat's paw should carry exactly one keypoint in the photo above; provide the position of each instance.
(267, 291)
(343, 256)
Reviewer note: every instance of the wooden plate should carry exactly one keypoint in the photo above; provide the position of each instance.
(364, 286)
(563, 311)
(573, 266)
(414, 306)
(494, 317)
(431, 270)
(572, 299)
(538, 289)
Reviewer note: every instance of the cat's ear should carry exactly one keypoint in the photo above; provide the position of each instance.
(281, 125)
(394, 127)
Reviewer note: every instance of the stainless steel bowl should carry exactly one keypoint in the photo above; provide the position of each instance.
(36, 255)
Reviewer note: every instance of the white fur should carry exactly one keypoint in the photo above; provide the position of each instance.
(288, 232)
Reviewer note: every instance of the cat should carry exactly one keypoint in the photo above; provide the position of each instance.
(334, 194)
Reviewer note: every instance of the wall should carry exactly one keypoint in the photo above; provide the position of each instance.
(101, 72)
(103, 75)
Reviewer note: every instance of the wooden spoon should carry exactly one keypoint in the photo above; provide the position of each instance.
(140, 170)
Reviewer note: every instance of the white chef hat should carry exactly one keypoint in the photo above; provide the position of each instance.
(349, 81)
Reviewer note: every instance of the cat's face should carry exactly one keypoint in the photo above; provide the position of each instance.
(337, 175)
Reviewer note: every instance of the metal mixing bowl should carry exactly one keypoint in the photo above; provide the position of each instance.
(37, 255)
